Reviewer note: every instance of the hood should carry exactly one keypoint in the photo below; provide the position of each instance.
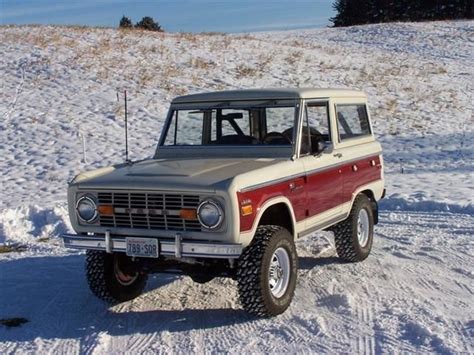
(172, 174)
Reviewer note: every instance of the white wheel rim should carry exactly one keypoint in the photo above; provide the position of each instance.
(279, 272)
(363, 227)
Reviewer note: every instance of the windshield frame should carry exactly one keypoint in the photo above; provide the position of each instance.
(234, 104)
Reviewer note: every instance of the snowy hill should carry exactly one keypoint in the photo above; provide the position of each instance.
(59, 86)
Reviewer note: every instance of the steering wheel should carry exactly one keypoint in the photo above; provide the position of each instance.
(273, 136)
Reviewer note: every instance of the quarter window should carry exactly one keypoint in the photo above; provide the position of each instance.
(352, 121)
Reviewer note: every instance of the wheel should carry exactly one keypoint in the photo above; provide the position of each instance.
(112, 277)
(354, 235)
(266, 272)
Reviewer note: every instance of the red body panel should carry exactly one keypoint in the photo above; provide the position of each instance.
(324, 190)
(295, 193)
(359, 173)
(315, 193)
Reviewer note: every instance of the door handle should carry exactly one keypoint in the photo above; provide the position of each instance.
(337, 155)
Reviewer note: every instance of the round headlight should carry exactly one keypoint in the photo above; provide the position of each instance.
(210, 214)
(86, 209)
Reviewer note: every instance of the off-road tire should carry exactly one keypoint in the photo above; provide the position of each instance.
(253, 272)
(103, 282)
(345, 233)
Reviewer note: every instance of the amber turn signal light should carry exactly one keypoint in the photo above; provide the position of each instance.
(188, 214)
(246, 210)
(106, 210)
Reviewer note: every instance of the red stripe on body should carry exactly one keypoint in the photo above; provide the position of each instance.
(315, 193)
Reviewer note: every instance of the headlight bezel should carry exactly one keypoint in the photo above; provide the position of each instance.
(220, 212)
(90, 199)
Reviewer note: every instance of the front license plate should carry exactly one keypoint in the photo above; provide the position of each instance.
(143, 247)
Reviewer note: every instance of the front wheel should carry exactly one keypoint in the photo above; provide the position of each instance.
(112, 277)
(267, 271)
(354, 235)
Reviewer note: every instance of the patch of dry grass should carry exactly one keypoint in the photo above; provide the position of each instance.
(188, 37)
(264, 61)
(246, 37)
(211, 34)
(200, 63)
(12, 248)
(144, 77)
(294, 57)
(244, 71)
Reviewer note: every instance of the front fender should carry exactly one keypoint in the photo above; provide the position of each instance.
(246, 236)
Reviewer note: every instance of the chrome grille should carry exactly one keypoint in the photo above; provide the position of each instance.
(146, 210)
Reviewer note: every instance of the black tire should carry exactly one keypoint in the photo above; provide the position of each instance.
(253, 267)
(103, 270)
(346, 233)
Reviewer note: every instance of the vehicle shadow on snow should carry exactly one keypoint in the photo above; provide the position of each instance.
(52, 293)
(308, 262)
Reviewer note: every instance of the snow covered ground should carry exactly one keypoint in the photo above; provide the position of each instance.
(415, 293)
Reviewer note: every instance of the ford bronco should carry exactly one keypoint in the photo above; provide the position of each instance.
(237, 176)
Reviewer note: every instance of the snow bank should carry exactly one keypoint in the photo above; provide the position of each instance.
(397, 204)
(26, 225)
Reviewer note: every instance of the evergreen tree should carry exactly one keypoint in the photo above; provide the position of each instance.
(147, 23)
(358, 12)
(125, 22)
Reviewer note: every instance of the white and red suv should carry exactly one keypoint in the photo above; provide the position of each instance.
(237, 176)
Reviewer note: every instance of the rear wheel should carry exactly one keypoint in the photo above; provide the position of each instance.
(266, 272)
(354, 235)
(113, 277)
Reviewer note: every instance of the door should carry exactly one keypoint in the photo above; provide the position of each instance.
(323, 173)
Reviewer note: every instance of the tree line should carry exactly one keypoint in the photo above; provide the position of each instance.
(360, 12)
(146, 23)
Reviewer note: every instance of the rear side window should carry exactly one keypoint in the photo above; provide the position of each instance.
(352, 121)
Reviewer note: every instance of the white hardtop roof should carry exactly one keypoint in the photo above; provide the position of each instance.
(268, 94)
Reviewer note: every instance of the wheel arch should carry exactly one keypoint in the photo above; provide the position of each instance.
(371, 196)
(275, 211)
(278, 214)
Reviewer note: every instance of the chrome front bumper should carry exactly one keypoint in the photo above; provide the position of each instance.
(177, 248)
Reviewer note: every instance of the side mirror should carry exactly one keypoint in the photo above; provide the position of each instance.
(318, 147)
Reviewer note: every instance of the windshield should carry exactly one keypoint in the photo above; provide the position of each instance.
(227, 124)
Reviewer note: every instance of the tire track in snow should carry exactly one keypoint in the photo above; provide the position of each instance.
(365, 341)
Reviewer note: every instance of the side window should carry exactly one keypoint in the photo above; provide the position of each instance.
(315, 127)
(352, 121)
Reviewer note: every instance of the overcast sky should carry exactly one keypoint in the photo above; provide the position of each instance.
(174, 15)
